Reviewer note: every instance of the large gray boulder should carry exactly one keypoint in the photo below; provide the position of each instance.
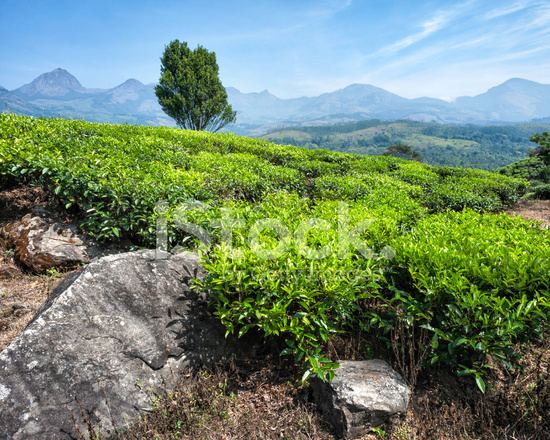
(41, 245)
(362, 394)
(105, 340)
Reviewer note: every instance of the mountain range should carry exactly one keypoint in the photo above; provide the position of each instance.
(59, 93)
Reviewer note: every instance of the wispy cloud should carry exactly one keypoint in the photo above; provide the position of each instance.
(506, 10)
(541, 15)
(329, 8)
(438, 22)
(428, 28)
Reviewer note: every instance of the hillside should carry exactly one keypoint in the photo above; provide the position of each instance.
(486, 147)
(59, 93)
(311, 249)
(514, 100)
(535, 168)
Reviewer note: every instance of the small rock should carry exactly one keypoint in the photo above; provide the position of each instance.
(362, 394)
(40, 245)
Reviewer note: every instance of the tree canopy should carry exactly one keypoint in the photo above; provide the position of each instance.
(403, 151)
(543, 150)
(190, 90)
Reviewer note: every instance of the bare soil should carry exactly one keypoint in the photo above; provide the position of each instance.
(21, 296)
(21, 293)
(267, 402)
(533, 210)
(232, 404)
(515, 406)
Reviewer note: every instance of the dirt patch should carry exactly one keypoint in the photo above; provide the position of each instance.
(269, 403)
(533, 210)
(21, 296)
(21, 293)
(16, 202)
(516, 405)
(232, 404)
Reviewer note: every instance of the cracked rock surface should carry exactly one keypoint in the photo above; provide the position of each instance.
(362, 394)
(104, 341)
(41, 245)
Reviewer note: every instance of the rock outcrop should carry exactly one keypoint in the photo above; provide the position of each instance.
(104, 341)
(40, 245)
(362, 394)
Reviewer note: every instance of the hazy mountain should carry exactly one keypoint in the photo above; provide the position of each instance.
(57, 83)
(59, 93)
(261, 107)
(356, 98)
(514, 100)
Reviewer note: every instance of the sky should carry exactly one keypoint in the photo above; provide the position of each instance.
(292, 48)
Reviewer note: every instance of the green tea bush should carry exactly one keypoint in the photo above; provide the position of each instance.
(477, 282)
(458, 195)
(304, 283)
(536, 171)
(542, 191)
(416, 174)
(331, 187)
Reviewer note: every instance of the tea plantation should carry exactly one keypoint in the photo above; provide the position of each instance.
(306, 245)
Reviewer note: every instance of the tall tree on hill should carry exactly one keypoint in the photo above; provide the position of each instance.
(190, 90)
(403, 151)
(543, 150)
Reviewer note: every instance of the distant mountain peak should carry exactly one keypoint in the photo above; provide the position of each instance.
(58, 82)
(514, 100)
(59, 70)
(132, 82)
(516, 84)
(130, 85)
(360, 86)
(60, 76)
(518, 81)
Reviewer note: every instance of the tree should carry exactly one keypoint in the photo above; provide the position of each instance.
(403, 151)
(543, 150)
(190, 90)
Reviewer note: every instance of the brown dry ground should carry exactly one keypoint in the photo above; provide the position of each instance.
(533, 210)
(21, 293)
(264, 400)
(20, 299)
(267, 402)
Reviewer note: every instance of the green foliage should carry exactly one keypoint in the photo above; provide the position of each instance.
(189, 89)
(543, 150)
(302, 284)
(535, 169)
(486, 147)
(402, 151)
(478, 282)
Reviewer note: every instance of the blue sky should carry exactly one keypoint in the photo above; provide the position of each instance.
(293, 48)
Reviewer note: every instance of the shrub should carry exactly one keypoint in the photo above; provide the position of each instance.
(289, 293)
(479, 283)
